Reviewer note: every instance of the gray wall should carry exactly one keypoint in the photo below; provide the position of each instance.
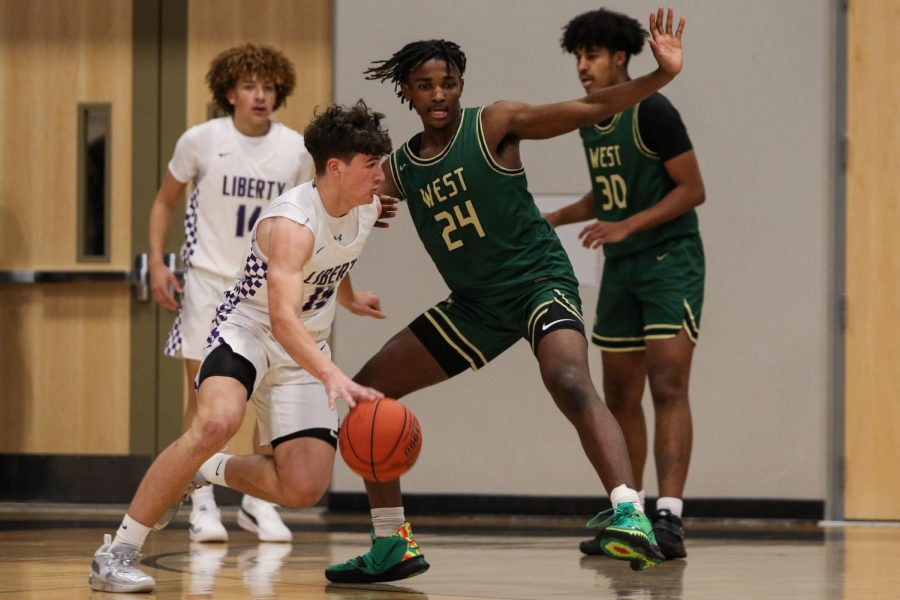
(757, 95)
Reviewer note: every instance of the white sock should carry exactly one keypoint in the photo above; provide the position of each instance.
(130, 532)
(643, 498)
(673, 505)
(203, 496)
(623, 493)
(213, 470)
(387, 521)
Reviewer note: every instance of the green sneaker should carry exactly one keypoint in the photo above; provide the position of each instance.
(391, 558)
(626, 534)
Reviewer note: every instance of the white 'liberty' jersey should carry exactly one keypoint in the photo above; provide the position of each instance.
(331, 260)
(235, 177)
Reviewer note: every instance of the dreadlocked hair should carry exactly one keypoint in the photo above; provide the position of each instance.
(265, 62)
(603, 28)
(398, 67)
(345, 131)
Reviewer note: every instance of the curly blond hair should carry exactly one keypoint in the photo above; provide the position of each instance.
(264, 62)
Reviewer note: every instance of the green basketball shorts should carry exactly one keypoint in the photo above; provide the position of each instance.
(467, 333)
(651, 295)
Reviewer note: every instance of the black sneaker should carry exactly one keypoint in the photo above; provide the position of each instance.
(669, 532)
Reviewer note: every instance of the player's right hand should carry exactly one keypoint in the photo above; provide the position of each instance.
(162, 285)
(339, 385)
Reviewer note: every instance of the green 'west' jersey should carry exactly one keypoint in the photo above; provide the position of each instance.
(477, 219)
(626, 178)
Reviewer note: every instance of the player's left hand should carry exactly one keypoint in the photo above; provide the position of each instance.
(389, 206)
(603, 232)
(366, 304)
(666, 46)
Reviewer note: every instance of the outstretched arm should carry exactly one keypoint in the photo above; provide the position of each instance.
(524, 121)
(581, 210)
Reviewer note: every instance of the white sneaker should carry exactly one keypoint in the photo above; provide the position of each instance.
(118, 571)
(206, 524)
(261, 518)
(260, 567)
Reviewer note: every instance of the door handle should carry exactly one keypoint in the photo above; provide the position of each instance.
(138, 277)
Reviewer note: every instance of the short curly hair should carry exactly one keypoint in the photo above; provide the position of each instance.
(345, 131)
(265, 62)
(603, 28)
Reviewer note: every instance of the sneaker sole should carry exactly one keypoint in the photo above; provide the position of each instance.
(247, 524)
(631, 549)
(99, 585)
(405, 570)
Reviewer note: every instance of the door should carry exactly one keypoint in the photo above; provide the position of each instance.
(872, 350)
(98, 92)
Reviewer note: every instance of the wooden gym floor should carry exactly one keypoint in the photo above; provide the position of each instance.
(45, 554)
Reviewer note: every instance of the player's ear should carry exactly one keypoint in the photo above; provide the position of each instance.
(620, 58)
(405, 90)
(334, 167)
(462, 84)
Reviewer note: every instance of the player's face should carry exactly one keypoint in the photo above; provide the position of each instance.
(253, 100)
(360, 177)
(434, 89)
(599, 68)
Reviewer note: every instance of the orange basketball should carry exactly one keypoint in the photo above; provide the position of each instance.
(380, 440)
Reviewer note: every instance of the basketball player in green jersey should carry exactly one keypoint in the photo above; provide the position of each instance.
(508, 274)
(645, 185)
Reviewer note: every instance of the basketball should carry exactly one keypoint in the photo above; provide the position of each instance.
(380, 440)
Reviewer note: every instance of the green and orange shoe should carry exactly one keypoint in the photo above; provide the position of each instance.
(391, 558)
(625, 534)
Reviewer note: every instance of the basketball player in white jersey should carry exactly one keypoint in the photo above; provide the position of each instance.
(236, 165)
(269, 345)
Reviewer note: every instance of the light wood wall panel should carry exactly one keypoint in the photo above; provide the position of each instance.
(64, 374)
(63, 377)
(873, 263)
(55, 55)
(301, 29)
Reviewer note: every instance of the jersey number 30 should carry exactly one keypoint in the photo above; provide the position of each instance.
(615, 190)
(456, 220)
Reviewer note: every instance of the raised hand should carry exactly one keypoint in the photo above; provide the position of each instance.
(666, 46)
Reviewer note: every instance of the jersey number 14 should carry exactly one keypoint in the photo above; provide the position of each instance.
(245, 223)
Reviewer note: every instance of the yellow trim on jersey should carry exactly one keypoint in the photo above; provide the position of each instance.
(636, 132)
(472, 346)
(661, 336)
(607, 128)
(485, 151)
(426, 162)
